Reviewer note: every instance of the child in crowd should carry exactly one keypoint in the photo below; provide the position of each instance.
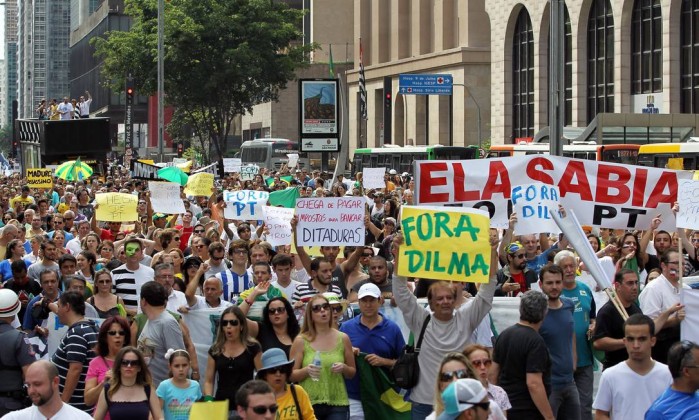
(178, 393)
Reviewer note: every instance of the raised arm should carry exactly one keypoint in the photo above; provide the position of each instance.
(507, 237)
(191, 291)
(351, 263)
(300, 251)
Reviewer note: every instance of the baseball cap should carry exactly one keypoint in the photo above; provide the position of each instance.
(369, 289)
(460, 396)
(157, 216)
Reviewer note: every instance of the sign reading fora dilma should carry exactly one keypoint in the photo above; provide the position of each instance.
(319, 108)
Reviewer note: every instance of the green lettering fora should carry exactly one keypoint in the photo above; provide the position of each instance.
(465, 226)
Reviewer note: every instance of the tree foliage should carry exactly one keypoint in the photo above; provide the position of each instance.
(5, 140)
(221, 57)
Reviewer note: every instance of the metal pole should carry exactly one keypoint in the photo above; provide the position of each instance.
(161, 77)
(556, 94)
(478, 113)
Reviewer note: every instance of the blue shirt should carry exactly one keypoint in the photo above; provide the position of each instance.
(67, 236)
(540, 260)
(674, 405)
(6, 270)
(557, 331)
(384, 340)
(585, 309)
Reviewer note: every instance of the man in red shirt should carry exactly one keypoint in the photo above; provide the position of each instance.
(105, 234)
(515, 277)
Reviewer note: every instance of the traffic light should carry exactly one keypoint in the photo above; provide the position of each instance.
(180, 149)
(129, 88)
(387, 110)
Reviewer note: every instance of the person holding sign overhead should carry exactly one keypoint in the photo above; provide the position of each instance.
(515, 277)
(449, 328)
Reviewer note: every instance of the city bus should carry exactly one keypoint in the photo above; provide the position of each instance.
(617, 153)
(270, 153)
(670, 155)
(401, 158)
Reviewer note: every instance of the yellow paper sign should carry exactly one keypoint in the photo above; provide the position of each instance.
(445, 243)
(199, 185)
(116, 207)
(40, 178)
(212, 410)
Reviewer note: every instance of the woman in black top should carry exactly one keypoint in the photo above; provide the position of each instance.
(279, 326)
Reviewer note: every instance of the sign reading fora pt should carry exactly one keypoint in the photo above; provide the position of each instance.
(443, 243)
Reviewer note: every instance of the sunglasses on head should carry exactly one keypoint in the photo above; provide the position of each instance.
(262, 409)
(458, 374)
(321, 307)
(120, 332)
(129, 362)
(280, 310)
(231, 322)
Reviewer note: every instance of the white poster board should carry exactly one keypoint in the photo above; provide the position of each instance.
(331, 221)
(244, 204)
(231, 165)
(688, 198)
(248, 172)
(373, 178)
(293, 160)
(278, 224)
(165, 197)
(532, 203)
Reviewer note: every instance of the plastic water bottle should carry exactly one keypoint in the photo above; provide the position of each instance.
(316, 363)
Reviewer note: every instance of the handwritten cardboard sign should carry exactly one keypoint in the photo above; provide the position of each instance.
(199, 185)
(373, 178)
(331, 221)
(248, 172)
(293, 160)
(245, 204)
(688, 198)
(532, 203)
(278, 224)
(40, 178)
(231, 165)
(445, 243)
(165, 197)
(116, 207)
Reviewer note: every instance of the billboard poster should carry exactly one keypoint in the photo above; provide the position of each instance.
(319, 107)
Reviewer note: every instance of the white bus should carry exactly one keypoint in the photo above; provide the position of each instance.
(271, 153)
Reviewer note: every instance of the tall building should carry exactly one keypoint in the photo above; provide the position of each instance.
(43, 31)
(8, 71)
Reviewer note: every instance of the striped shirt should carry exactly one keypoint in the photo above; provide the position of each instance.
(77, 346)
(234, 284)
(127, 284)
(305, 291)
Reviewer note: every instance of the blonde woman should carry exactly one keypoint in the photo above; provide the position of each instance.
(320, 343)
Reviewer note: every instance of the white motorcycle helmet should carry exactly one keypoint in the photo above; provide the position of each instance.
(9, 303)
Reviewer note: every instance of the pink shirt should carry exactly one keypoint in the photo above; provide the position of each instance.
(97, 368)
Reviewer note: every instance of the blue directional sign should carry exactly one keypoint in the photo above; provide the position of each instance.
(425, 84)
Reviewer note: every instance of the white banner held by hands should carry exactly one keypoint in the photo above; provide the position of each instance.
(532, 203)
(332, 221)
(278, 225)
(165, 197)
(688, 198)
(373, 178)
(293, 160)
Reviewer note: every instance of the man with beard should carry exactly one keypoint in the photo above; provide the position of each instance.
(378, 275)
(321, 282)
(48, 262)
(515, 277)
(42, 387)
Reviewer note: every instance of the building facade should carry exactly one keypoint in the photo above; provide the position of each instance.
(8, 71)
(43, 31)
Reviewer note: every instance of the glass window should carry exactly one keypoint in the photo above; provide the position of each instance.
(646, 47)
(689, 57)
(523, 78)
(600, 59)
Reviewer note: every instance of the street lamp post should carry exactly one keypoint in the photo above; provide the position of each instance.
(161, 77)
(478, 109)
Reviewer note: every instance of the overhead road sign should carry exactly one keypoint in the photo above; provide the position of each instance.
(425, 84)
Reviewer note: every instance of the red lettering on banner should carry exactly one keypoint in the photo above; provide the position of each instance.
(427, 181)
(535, 173)
(639, 187)
(498, 172)
(460, 193)
(575, 171)
(667, 181)
(605, 184)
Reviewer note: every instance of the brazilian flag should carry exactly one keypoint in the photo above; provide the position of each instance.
(380, 396)
(286, 178)
(285, 198)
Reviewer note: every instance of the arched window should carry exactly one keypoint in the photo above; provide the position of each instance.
(600, 59)
(523, 77)
(689, 60)
(646, 47)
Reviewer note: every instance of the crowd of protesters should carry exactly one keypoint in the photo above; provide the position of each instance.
(121, 290)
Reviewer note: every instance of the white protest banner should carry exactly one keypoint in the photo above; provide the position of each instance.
(293, 160)
(248, 172)
(689, 327)
(202, 325)
(231, 165)
(278, 223)
(373, 178)
(602, 194)
(165, 197)
(532, 203)
(244, 204)
(688, 198)
(331, 221)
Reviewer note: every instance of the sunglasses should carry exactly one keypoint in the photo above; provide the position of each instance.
(367, 255)
(120, 332)
(177, 238)
(481, 405)
(231, 322)
(198, 231)
(336, 308)
(129, 362)
(321, 307)
(449, 376)
(273, 311)
(485, 363)
(262, 409)
(278, 369)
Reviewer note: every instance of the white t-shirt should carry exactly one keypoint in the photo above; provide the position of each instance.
(627, 395)
(202, 304)
(288, 290)
(175, 301)
(32, 413)
(74, 246)
(658, 296)
(66, 110)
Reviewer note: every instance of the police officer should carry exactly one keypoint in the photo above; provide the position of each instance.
(15, 354)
